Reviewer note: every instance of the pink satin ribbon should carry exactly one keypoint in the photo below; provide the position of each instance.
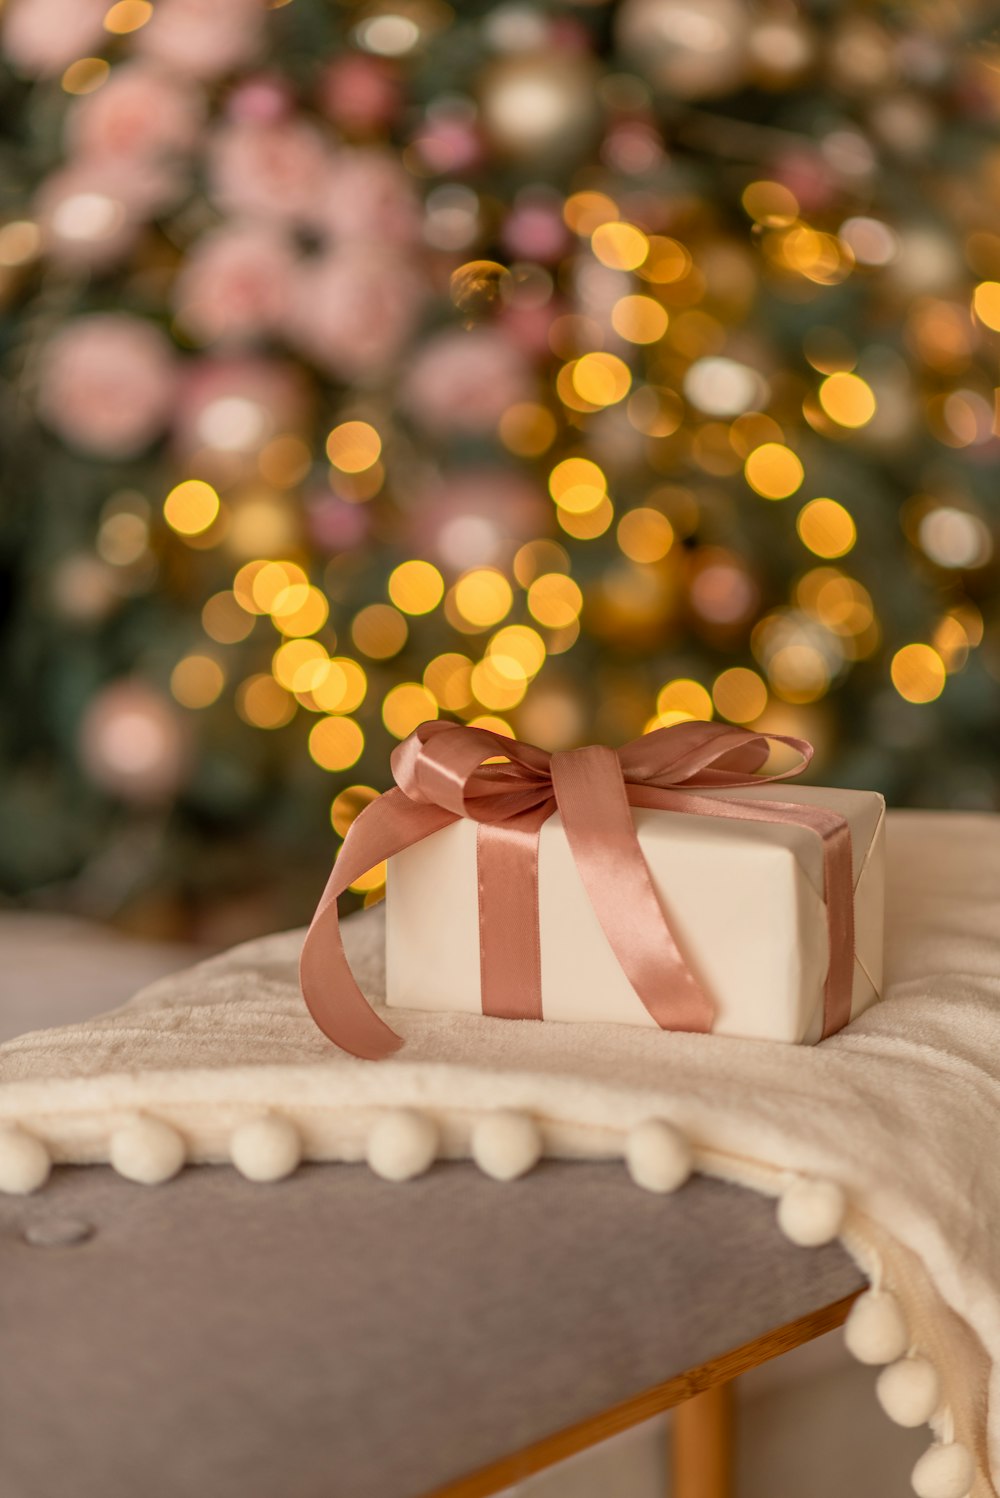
(443, 772)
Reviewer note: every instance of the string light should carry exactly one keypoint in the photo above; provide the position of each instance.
(918, 673)
(191, 507)
(336, 743)
(774, 471)
(416, 587)
(406, 706)
(826, 527)
(348, 805)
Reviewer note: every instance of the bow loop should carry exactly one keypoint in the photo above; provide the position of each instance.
(471, 772)
(700, 756)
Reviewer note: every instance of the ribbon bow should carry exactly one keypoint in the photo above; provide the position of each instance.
(445, 771)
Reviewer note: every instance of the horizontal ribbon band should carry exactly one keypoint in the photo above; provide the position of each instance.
(447, 771)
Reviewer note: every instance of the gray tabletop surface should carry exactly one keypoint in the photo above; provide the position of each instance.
(337, 1337)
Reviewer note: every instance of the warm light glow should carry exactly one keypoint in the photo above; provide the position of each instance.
(773, 471)
(645, 535)
(826, 528)
(918, 673)
(299, 664)
(268, 582)
(554, 600)
(517, 651)
(300, 610)
(336, 743)
(667, 261)
(191, 507)
(483, 597)
(798, 673)
(349, 805)
(494, 688)
(527, 429)
(684, 696)
(590, 524)
(586, 211)
(492, 724)
(353, 446)
(739, 695)
(986, 304)
(85, 75)
(20, 241)
(197, 680)
(263, 703)
(379, 631)
(416, 587)
(224, 619)
(577, 485)
(447, 678)
(620, 246)
(639, 319)
(342, 688)
(536, 557)
(373, 880)
(770, 204)
(847, 399)
(406, 706)
(126, 16)
(601, 379)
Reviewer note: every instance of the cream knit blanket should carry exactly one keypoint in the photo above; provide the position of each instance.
(902, 1109)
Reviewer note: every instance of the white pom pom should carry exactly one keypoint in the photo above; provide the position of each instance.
(658, 1156)
(876, 1330)
(811, 1213)
(266, 1149)
(402, 1145)
(147, 1150)
(909, 1391)
(24, 1161)
(506, 1144)
(944, 1472)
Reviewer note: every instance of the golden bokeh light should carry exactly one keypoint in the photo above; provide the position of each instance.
(494, 688)
(416, 587)
(645, 535)
(448, 678)
(655, 410)
(224, 619)
(284, 461)
(299, 665)
(85, 75)
(586, 211)
(263, 703)
(847, 399)
(379, 631)
(918, 673)
(683, 695)
(798, 673)
(348, 806)
(191, 507)
(483, 597)
(589, 525)
(536, 557)
(492, 724)
(773, 471)
(601, 379)
(517, 650)
(20, 241)
(826, 528)
(336, 743)
(527, 429)
(619, 246)
(342, 687)
(353, 446)
(127, 15)
(986, 304)
(577, 485)
(770, 204)
(367, 884)
(667, 261)
(739, 695)
(639, 319)
(300, 609)
(197, 681)
(555, 600)
(406, 706)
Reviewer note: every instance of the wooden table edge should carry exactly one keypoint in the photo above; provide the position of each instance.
(509, 1470)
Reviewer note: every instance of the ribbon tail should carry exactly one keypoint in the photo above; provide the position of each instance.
(509, 941)
(593, 801)
(330, 990)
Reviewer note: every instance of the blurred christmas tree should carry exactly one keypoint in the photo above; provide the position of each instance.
(566, 367)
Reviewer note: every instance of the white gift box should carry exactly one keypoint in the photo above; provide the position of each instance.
(744, 901)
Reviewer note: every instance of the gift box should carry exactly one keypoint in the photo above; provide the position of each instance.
(744, 900)
(672, 882)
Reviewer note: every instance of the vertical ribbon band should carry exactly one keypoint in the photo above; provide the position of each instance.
(448, 771)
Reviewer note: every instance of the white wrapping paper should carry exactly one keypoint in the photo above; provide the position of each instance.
(744, 900)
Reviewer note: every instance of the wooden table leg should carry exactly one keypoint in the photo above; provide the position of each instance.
(703, 1445)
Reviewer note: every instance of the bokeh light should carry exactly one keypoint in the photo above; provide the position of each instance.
(336, 743)
(774, 471)
(918, 673)
(406, 706)
(826, 527)
(191, 507)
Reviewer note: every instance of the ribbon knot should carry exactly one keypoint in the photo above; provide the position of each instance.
(448, 771)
